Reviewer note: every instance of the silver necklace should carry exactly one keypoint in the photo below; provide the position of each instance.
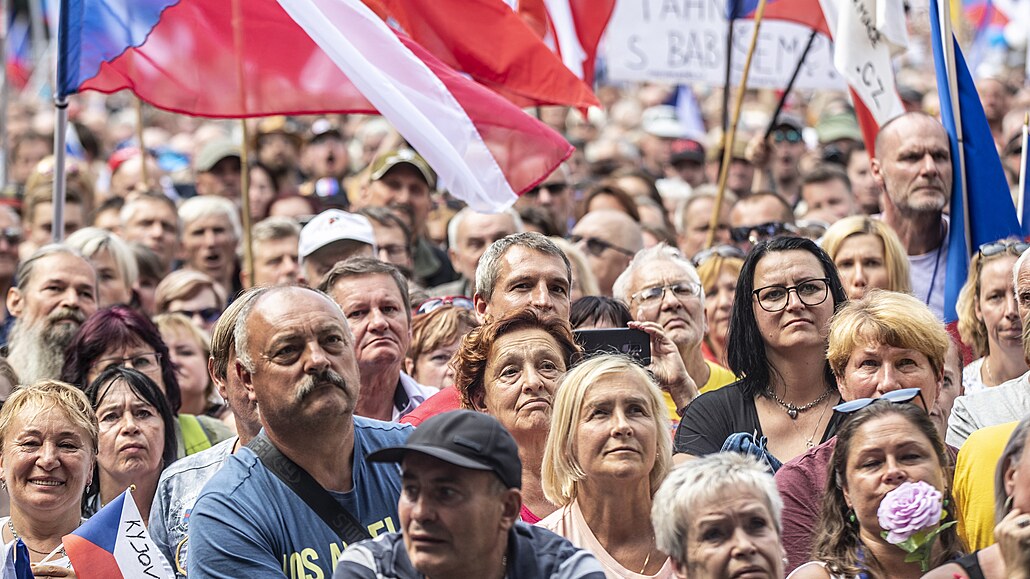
(793, 410)
(60, 547)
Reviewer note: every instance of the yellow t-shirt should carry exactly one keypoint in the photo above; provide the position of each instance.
(974, 483)
(717, 378)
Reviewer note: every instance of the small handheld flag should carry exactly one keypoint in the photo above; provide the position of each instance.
(114, 544)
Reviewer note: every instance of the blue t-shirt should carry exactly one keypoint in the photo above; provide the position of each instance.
(247, 523)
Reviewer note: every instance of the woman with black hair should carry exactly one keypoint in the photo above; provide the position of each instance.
(782, 406)
(137, 438)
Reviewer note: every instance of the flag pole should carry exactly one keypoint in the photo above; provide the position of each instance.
(4, 92)
(248, 250)
(790, 85)
(729, 136)
(60, 157)
(1023, 157)
(142, 147)
(726, 79)
(948, 50)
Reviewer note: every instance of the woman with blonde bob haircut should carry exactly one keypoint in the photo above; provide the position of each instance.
(607, 453)
(193, 294)
(988, 318)
(47, 430)
(730, 498)
(868, 255)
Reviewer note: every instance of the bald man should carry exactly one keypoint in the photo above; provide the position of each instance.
(609, 239)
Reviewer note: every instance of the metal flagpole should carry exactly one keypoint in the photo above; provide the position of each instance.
(790, 86)
(4, 93)
(60, 156)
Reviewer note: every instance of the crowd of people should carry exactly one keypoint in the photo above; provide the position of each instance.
(374, 380)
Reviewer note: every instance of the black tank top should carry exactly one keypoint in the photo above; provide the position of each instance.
(971, 565)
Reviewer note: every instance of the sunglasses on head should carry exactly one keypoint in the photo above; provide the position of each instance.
(997, 247)
(718, 250)
(209, 315)
(894, 397)
(437, 303)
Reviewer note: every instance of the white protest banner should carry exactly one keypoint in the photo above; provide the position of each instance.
(684, 41)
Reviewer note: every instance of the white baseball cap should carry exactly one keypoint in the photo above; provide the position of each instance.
(334, 225)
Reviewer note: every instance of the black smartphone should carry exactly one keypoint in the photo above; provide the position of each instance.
(633, 343)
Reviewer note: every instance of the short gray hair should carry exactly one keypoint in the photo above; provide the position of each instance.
(490, 263)
(1023, 257)
(92, 240)
(25, 269)
(455, 222)
(272, 229)
(362, 266)
(661, 252)
(205, 205)
(692, 485)
(241, 330)
(223, 336)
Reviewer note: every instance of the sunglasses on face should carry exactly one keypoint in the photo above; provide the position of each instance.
(998, 247)
(551, 188)
(12, 235)
(209, 315)
(755, 233)
(894, 397)
(787, 135)
(596, 247)
(718, 250)
(437, 303)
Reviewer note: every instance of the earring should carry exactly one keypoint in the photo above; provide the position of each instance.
(851, 516)
(945, 503)
(87, 487)
(3, 483)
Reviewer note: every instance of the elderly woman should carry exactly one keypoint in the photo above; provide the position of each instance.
(121, 336)
(136, 438)
(988, 319)
(718, 268)
(193, 294)
(719, 518)
(883, 444)
(114, 261)
(607, 452)
(510, 368)
(1011, 553)
(48, 433)
(868, 255)
(189, 348)
(434, 340)
(782, 405)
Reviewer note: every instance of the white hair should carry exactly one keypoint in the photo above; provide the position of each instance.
(206, 205)
(645, 257)
(455, 222)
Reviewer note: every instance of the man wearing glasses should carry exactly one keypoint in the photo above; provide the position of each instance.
(886, 345)
(609, 239)
(778, 159)
(552, 195)
(761, 216)
(665, 298)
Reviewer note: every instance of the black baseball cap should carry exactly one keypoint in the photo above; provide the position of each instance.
(464, 438)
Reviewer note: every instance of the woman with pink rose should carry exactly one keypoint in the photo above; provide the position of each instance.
(887, 497)
(1009, 557)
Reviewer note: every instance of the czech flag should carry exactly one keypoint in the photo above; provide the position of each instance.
(114, 544)
(805, 12)
(14, 561)
(248, 58)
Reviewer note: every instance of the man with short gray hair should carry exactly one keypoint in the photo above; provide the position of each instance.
(210, 231)
(524, 269)
(469, 234)
(296, 360)
(274, 247)
(374, 297)
(665, 298)
(56, 292)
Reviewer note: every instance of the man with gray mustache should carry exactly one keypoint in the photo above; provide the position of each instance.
(296, 361)
(56, 292)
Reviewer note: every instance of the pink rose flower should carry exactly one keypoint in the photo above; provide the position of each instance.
(908, 509)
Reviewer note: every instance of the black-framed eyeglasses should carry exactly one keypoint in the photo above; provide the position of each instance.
(811, 292)
(997, 247)
(756, 233)
(787, 135)
(894, 397)
(681, 290)
(209, 315)
(596, 247)
(556, 188)
(719, 250)
(146, 363)
(437, 303)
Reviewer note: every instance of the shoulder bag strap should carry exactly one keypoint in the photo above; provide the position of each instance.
(307, 488)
